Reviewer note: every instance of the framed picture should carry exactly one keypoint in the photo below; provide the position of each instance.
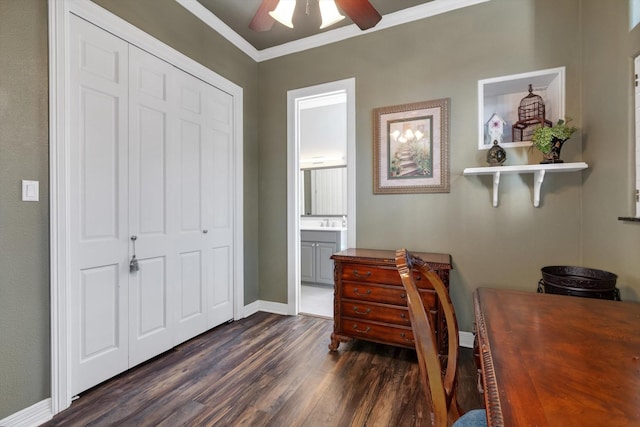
(411, 148)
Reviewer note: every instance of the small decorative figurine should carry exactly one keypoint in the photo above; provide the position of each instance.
(495, 127)
(496, 154)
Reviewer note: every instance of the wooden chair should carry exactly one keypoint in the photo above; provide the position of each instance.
(439, 387)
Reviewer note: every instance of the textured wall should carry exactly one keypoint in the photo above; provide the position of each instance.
(439, 57)
(24, 226)
(608, 51)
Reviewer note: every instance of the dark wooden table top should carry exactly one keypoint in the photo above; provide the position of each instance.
(388, 256)
(555, 360)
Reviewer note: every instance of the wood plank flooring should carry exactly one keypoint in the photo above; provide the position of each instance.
(268, 370)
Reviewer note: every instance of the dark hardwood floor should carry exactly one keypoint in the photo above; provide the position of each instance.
(268, 370)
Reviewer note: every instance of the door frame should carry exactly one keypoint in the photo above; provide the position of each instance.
(59, 13)
(293, 178)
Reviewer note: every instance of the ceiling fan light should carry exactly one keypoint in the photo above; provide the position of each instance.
(329, 12)
(283, 13)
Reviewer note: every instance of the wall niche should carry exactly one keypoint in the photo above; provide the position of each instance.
(502, 95)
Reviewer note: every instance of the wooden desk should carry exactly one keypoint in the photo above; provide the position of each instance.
(554, 360)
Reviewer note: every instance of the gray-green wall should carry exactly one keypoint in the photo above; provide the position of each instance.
(439, 57)
(24, 226)
(608, 49)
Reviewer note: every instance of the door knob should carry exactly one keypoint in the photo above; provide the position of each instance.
(205, 231)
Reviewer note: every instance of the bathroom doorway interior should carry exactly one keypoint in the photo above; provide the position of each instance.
(321, 191)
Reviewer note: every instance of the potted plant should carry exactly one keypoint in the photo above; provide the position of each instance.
(549, 140)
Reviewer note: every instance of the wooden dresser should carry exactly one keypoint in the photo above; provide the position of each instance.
(370, 301)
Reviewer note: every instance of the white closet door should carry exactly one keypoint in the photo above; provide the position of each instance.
(152, 205)
(218, 219)
(98, 204)
(151, 156)
(189, 163)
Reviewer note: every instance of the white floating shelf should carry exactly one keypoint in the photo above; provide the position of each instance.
(539, 172)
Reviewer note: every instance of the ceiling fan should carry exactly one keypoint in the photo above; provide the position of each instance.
(361, 12)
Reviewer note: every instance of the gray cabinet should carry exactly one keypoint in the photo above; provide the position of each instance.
(316, 248)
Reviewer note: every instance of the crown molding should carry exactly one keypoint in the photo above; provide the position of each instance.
(415, 13)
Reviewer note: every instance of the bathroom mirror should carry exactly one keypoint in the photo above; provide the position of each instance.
(324, 191)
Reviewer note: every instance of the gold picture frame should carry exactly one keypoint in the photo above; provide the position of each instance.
(411, 148)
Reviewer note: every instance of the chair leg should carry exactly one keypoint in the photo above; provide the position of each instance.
(455, 411)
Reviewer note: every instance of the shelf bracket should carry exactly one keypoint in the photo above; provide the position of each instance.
(537, 184)
(539, 171)
(496, 185)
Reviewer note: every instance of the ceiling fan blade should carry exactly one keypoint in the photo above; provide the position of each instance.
(262, 21)
(361, 12)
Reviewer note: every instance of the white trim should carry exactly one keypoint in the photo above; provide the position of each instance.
(295, 97)
(514, 84)
(59, 11)
(34, 415)
(415, 13)
(466, 339)
(251, 308)
(273, 307)
(636, 128)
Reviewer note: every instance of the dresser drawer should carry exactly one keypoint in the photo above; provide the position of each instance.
(377, 293)
(372, 331)
(385, 294)
(370, 274)
(381, 275)
(372, 311)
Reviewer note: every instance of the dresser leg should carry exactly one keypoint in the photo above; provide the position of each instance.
(335, 342)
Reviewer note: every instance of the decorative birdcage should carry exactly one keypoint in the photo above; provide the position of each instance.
(531, 112)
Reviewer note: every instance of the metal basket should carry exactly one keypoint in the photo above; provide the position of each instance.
(579, 281)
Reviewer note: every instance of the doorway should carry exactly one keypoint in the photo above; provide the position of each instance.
(298, 101)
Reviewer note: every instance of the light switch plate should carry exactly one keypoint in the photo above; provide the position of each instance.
(30, 191)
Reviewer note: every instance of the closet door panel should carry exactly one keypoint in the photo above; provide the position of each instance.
(190, 176)
(98, 115)
(151, 172)
(152, 287)
(192, 316)
(190, 285)
(151, 297)
(218, 188)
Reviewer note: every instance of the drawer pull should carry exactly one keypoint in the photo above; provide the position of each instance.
(403, 296)
(357, 292)
(365, 331)
(404, 337)
(403, 316)
(362, 276)
(355, 310)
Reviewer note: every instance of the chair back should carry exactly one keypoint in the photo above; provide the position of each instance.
(439, 386)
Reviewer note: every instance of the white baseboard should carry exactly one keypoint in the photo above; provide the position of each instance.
(32, 416)
(250, 309)
(267, 306)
